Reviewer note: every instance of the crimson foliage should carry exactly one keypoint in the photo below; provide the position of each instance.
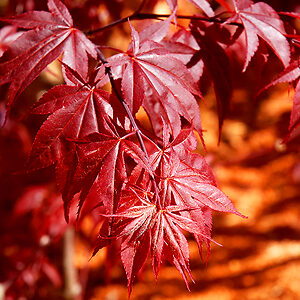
(148, 185)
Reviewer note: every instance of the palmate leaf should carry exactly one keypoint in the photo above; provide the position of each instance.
(51, 34)
(159, 82)
(261, 20)
(188, 181)
(187, 194)
(76, 111)
(145, 226)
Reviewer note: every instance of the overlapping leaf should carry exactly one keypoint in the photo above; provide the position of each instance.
(101, 166)
(191, 183)
(261, 20)
(51, 34)
(159, 82)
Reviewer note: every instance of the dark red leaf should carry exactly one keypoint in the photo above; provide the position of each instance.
(218, 66)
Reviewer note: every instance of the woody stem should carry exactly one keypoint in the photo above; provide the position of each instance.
(129, 114)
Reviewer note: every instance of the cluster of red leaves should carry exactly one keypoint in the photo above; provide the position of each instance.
(150, 184)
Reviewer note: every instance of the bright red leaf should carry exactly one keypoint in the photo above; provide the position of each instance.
(51, 34)
(261, 20)
(76, 111)
(159, 82)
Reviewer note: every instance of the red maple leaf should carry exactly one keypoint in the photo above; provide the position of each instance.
(144, 226)
(191, 183)
(51, 34)
(261, 20)
(75, 111)
(159, 82)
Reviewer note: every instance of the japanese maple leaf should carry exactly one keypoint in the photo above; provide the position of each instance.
(144, 226)
(190, 182)
(261, 20)
(290, 74)
(159, 82)
(75, 111)
(51, 34)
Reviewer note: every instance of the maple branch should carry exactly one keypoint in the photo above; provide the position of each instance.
(129, 114)
(142, 16)
(124, 104)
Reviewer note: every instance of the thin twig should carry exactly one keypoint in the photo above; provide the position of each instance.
(129, 114)
(143, 16)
